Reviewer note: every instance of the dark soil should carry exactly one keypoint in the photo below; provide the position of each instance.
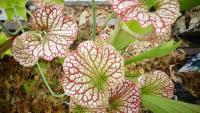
(22, 90)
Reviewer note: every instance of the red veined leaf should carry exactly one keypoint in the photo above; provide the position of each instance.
(90, 71)
(122, 6)
(166, 12)
(51, 20)
(125, 98)
(58, 31)
(41, 2)
(55, 33)
(21, 52)
(102, 39)
(158, 83)
(75, 108)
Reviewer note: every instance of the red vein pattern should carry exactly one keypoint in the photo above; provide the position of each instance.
(89, 71)
(40, 2)
(20, 50)
(126, 97)
(102, 39)
(165, 14)
(55, 33)
(60, 31)
(158, 83)
(73, 107)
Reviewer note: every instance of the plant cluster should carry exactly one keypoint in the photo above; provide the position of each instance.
(96, 71)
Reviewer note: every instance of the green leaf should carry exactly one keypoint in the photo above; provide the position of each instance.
(7, 52)
(155, 52)
(122, 40)
(3, 39)
(14, 8)
(20, 12)
(128, 33)
(133, 76)
(135, 29)
(188, 4)
(58, 1)
(149, 3)
(158, 104)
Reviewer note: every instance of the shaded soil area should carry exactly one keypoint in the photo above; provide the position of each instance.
(23, 91)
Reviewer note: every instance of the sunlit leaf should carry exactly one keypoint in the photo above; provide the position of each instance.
(155, 52)
(53, 36)
(14, 8)
(90, 71)
(122, 6)
(58, 1)
(59, 31)
(134, 28)
(157, 83)
(7, 52)
(125, 98)
(166, 12)
(102, 39)
(132, 76)
(21, 51)
(159, 104)
(122, 40)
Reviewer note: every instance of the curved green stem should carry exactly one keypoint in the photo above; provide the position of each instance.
(38, 65)
(20, 25)
(46, 82)
(30, 13)
(94, 19)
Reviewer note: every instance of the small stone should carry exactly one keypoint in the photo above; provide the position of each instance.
(83, 17)
(3, 14)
